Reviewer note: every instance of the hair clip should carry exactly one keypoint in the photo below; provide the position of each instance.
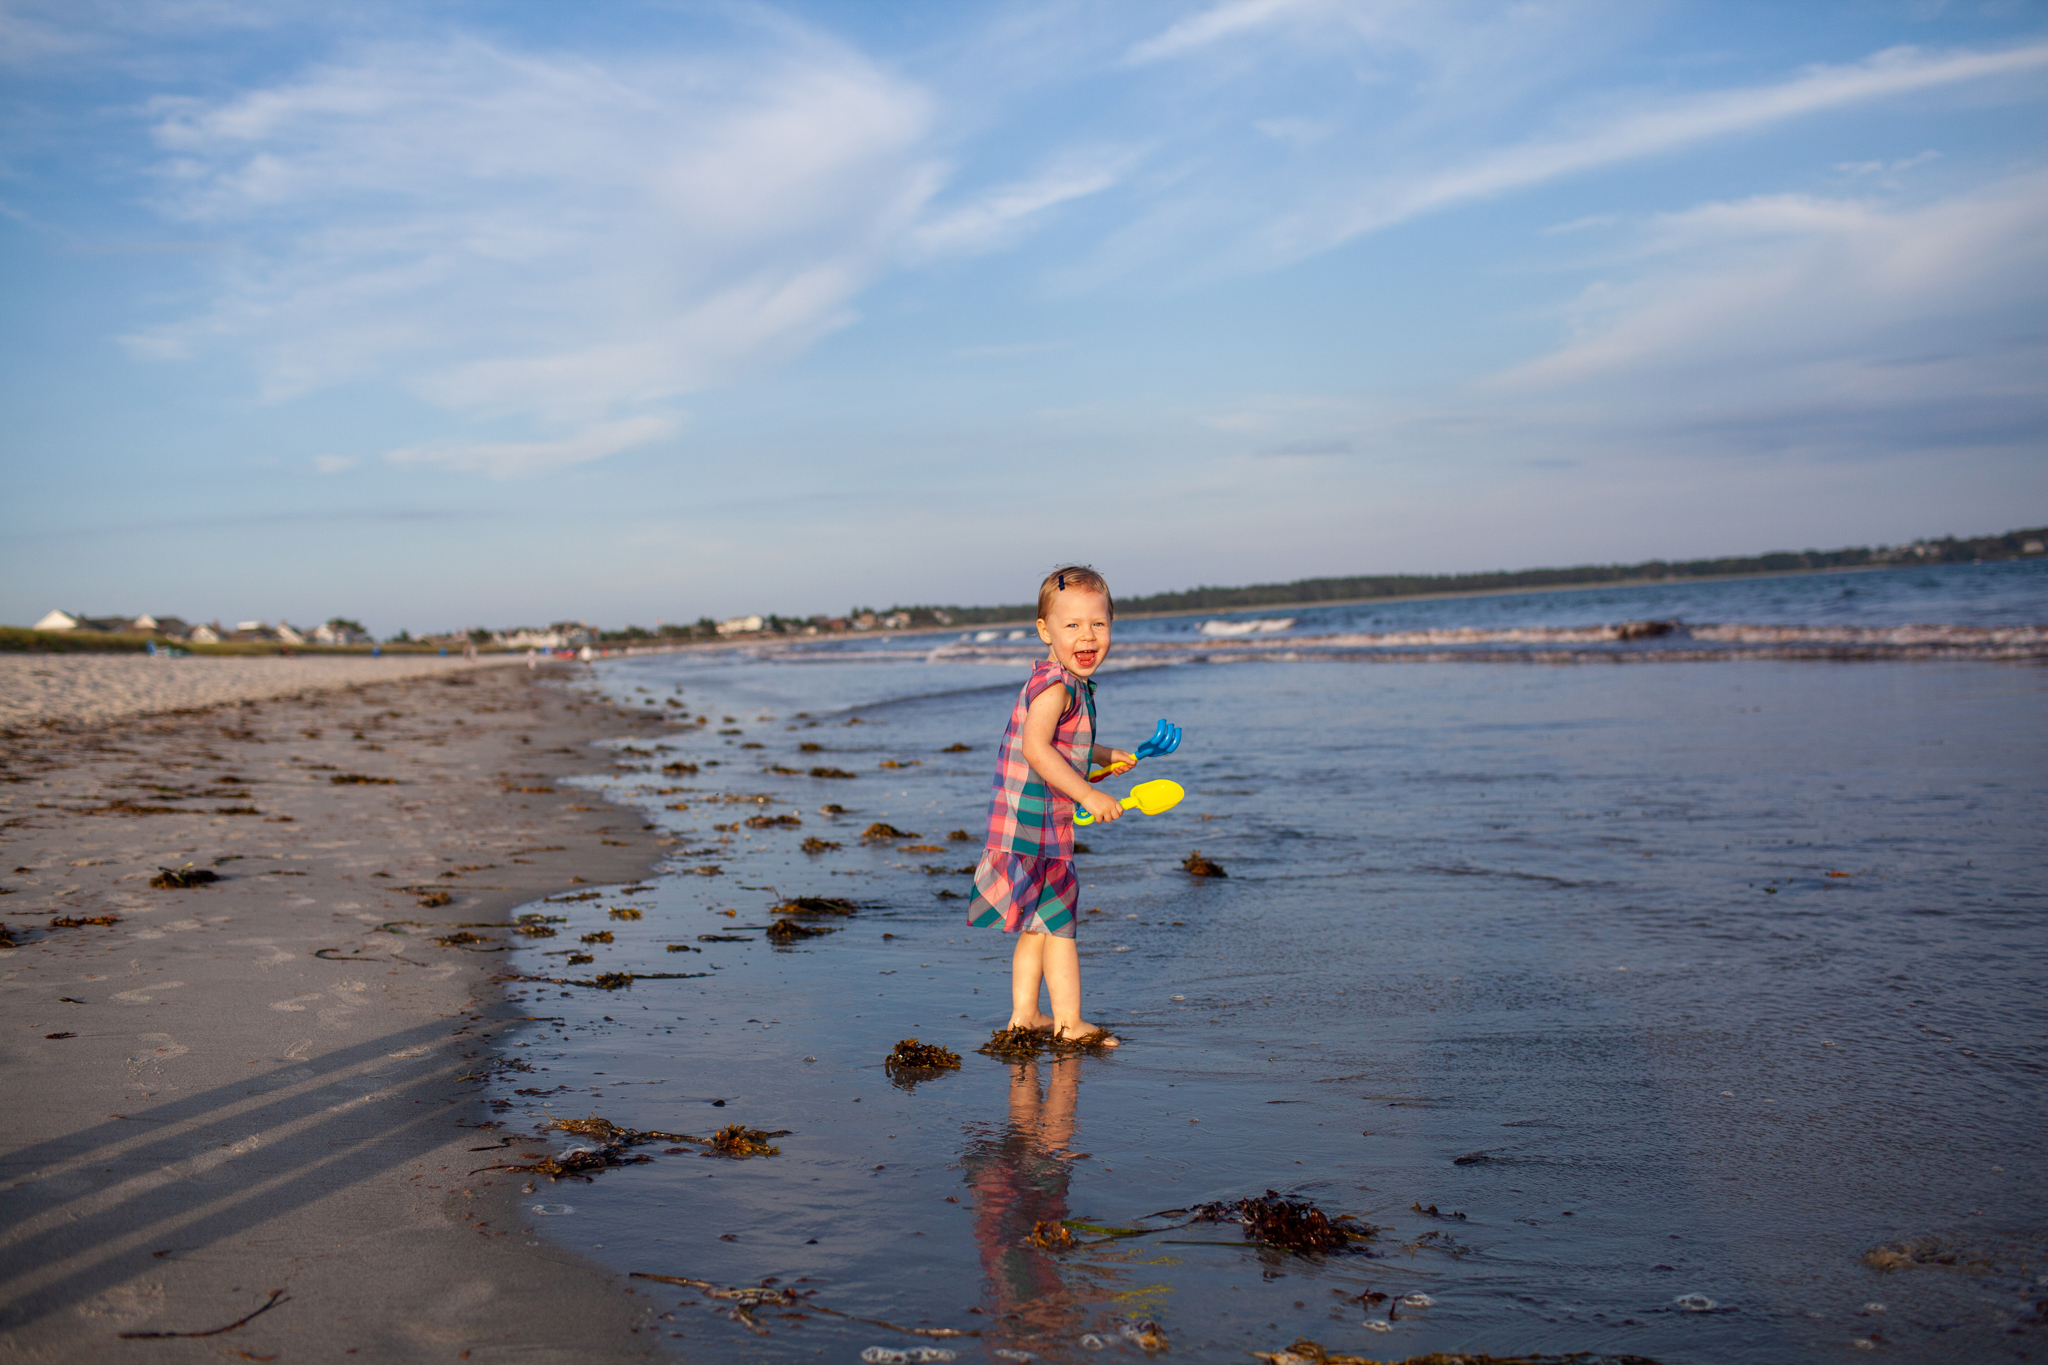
(1063, 582)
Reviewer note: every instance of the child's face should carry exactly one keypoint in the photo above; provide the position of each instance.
(1077, 630)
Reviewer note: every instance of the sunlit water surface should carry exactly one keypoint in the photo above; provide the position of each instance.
(1661, 982)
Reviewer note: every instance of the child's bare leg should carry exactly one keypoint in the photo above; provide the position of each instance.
(1026, 968)
(1061, 963)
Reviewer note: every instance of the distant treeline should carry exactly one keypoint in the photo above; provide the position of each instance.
(1948, 550)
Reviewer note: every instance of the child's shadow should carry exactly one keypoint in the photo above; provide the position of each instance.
(1019, 1177)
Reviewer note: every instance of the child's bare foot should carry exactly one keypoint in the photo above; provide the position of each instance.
(1081, 1029)
(1036, 1022)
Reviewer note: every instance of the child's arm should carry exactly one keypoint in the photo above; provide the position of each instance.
(1041, 723)
(1116, 760)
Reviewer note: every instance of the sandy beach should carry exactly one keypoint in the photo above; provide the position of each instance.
(243, 1096)
(105, 687)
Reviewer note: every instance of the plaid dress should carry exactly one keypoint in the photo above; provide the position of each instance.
(1025, 879)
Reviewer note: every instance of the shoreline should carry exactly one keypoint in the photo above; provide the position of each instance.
(243, 1087)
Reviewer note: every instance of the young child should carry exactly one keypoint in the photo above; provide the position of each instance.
(1026, 876)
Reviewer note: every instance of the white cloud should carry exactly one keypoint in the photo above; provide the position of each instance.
(514, 459)
(1004, 214)
(334, 464)
(1226, 20)
(549, 237)
(1743, 287)
(1644, 131)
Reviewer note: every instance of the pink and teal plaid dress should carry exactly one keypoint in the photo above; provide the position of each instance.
(1025, 879)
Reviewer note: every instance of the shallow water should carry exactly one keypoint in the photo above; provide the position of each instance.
(1578, 926)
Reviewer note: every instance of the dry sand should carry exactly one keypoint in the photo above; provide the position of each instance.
(248, 1087)
(102, 687)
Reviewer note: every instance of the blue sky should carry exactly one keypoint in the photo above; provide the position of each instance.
(443, 314)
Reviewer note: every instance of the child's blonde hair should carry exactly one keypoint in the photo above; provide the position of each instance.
(1069, 577)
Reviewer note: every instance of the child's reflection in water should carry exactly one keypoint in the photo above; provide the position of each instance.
(1019, 1178)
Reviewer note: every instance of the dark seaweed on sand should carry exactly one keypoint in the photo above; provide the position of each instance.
(912, 1055)
(615, 1146)
(1293, 1225)
(882, 829)
(788, 931)
(814, 844)
(182, 878)
(1022, 1044)
(1307, 1352)
(815, 905)
(1195, 865)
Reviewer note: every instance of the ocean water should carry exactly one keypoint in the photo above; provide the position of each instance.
(1638, 1010)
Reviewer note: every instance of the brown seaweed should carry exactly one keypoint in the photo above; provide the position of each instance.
(881, 829)
(182, 878)
(1307, 1352)
(361, 780)
(830, 772)
(615, 1146)
(1022, 1044)
(745, 1300)
(1195, 865)
(1052, 1237)
(80, 921)
(788, 931)
(815, 905)
(627, 912)
(911, 1055)
(773, 822)
(817, 845)
(1293, 1225)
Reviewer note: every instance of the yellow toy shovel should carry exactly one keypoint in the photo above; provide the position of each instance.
(1148, 798)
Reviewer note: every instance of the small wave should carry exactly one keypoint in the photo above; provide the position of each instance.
(1979, 636)
(1228, 629)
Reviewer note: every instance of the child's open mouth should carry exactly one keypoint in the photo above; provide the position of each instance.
(1086, 657)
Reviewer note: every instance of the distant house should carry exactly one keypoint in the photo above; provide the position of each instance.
(164, 627)
(526, 637)
(264, 633)
(740, 625)
(339, 633)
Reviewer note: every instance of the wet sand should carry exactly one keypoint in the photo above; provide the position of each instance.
(245, 1091)
(104, 687)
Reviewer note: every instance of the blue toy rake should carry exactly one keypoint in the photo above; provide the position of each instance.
(1165, 739)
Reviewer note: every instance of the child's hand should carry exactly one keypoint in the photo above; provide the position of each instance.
(1121, 762)
(1101, 805)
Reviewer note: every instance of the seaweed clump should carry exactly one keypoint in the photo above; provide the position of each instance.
(830, 772)
(1051, 1236)
(1307, 1352)
(815, 905)
(788, 931)
(183, 878)
(882, 829)
(773, 822)
(361, 780)
(627, 912)
(911, 1055)
(1295, 1226)
(1022, 1044)
(1195, 865)
(814, 844)
(615, 1146)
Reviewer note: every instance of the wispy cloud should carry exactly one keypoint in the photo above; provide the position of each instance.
(515, 459)
(543, 236)
(1227, 20)
(999, 217)
(1649, 129)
